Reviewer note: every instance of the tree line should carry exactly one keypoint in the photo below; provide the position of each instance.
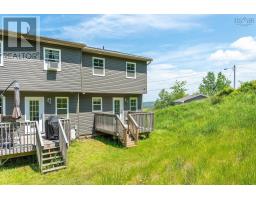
(210, 85)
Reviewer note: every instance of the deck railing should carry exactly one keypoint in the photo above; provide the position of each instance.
(121, 129)
(63, 139)
(111, 124)
(144, 120)
(133, 128)
(66, 124)
(39, 147)
(17, 137)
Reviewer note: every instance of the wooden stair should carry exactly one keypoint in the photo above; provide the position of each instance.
(130, 142)
(52, 159)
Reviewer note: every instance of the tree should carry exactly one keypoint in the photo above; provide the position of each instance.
(211, 85)
(178, 90)
(166, 98)
(163, 100)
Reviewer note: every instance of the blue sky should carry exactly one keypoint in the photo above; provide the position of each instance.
(184, 47)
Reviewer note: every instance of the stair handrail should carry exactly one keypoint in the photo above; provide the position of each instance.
(63, 142)
(132, 122)
(39, 147)
(118, 120)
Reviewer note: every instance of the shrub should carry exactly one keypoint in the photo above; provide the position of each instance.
(215, 100)
(225, 92)
(248, 86)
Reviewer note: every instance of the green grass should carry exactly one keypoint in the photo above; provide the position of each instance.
(196, 143)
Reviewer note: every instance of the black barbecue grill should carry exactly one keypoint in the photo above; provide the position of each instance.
(52, 132)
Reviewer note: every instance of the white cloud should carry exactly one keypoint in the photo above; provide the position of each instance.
(245, 43)
(112, 26)
(243, 49)
(227, 55)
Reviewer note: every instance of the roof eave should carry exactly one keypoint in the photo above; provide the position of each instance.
(116, 54)
(44, 39)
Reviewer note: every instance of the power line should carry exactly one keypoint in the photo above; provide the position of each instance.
(173, 78)
(156, 89)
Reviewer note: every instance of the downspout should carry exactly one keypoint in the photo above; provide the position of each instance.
(78, 94)
(77, 111)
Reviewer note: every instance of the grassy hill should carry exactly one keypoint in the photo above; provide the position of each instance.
(196, 143)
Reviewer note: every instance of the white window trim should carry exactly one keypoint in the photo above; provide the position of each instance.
(135, 74)
(100, 105)
(59, 64)
(132, 98)
(2, 53)
(93, 58)
(4, 105)
(56, 98)
(41, 106)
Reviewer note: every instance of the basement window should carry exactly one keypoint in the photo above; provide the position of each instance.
(133, 104)
(96, 104)
(62, 106)
(98, 65)
(130, 70)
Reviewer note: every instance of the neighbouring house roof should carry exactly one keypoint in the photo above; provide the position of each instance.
(82, 46)
(190, 98)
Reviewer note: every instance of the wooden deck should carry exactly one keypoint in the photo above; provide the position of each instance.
(128, 132)
(18, 139)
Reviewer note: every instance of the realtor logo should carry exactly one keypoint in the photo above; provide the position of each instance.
(18, 33)
(244, 21)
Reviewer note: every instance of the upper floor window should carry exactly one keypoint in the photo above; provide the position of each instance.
(98, 65)
(130, 70)
(96, 104)
(52, 59)
(62, 106)
(2, 105)
(133, 104)
(1, 53)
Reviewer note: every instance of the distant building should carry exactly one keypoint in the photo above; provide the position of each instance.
(190, 98)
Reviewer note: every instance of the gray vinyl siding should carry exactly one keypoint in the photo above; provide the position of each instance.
(115, 80)
(76, 76)
(49, 109)
(31, 75)
(86, 116)
(82, 121)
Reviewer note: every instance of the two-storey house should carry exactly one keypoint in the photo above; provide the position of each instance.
(73, 81)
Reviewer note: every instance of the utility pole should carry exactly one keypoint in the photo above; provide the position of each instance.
(234, 71)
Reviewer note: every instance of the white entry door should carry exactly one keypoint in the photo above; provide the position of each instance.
(118, 107)
(34, 110)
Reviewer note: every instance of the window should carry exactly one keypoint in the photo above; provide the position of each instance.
(96, 104)
(2, 105)
(98, 66)
(52, 59)
(130, 70)
(62, 106)
(133, 104)
(1, 53)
